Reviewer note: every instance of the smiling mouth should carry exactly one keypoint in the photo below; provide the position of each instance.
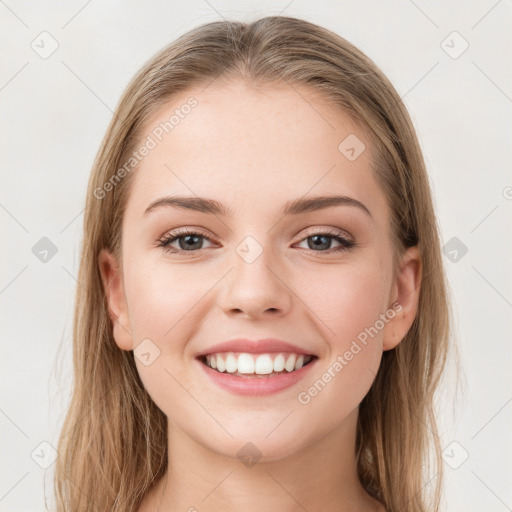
(248, 365)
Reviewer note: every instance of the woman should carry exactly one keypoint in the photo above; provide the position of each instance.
(262, 319)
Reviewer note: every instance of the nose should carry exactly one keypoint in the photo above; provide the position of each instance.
(256, 288)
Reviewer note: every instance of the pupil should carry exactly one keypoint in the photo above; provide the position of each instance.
(317, 237)
(188, 238)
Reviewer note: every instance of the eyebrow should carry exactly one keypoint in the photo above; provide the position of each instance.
(295, 207)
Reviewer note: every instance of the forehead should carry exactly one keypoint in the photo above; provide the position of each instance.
(246, 145)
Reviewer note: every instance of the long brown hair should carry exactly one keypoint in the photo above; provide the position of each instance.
(113, 444)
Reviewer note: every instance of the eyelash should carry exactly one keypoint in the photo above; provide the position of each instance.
(167, 239)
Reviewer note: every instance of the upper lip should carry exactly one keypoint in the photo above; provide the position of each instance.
(262, 346)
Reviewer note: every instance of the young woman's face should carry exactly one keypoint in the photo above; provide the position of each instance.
(255, 272)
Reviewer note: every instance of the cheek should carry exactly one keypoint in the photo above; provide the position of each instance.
(160, 297)
(347, 300)
(349, 303)
(164, 301)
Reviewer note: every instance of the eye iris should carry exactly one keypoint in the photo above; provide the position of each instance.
(188, 246)
(322, 245)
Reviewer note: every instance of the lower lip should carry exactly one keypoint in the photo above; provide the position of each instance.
(256, 386)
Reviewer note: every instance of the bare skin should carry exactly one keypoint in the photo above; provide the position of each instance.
(253, 150)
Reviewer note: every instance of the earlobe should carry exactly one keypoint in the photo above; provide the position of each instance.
(405, 293)
(111, 275)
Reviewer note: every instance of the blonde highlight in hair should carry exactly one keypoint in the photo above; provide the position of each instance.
(113, 444)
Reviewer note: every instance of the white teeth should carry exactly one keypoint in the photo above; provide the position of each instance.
(264, 364)
(245, 363)
(231, 364)
(290, 363)
(221, 366)
(260, 364)
(279, 363)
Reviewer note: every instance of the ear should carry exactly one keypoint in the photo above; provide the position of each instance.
(112, 277)
(405, 293)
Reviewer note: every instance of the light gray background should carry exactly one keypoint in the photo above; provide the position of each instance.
(55, 111)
